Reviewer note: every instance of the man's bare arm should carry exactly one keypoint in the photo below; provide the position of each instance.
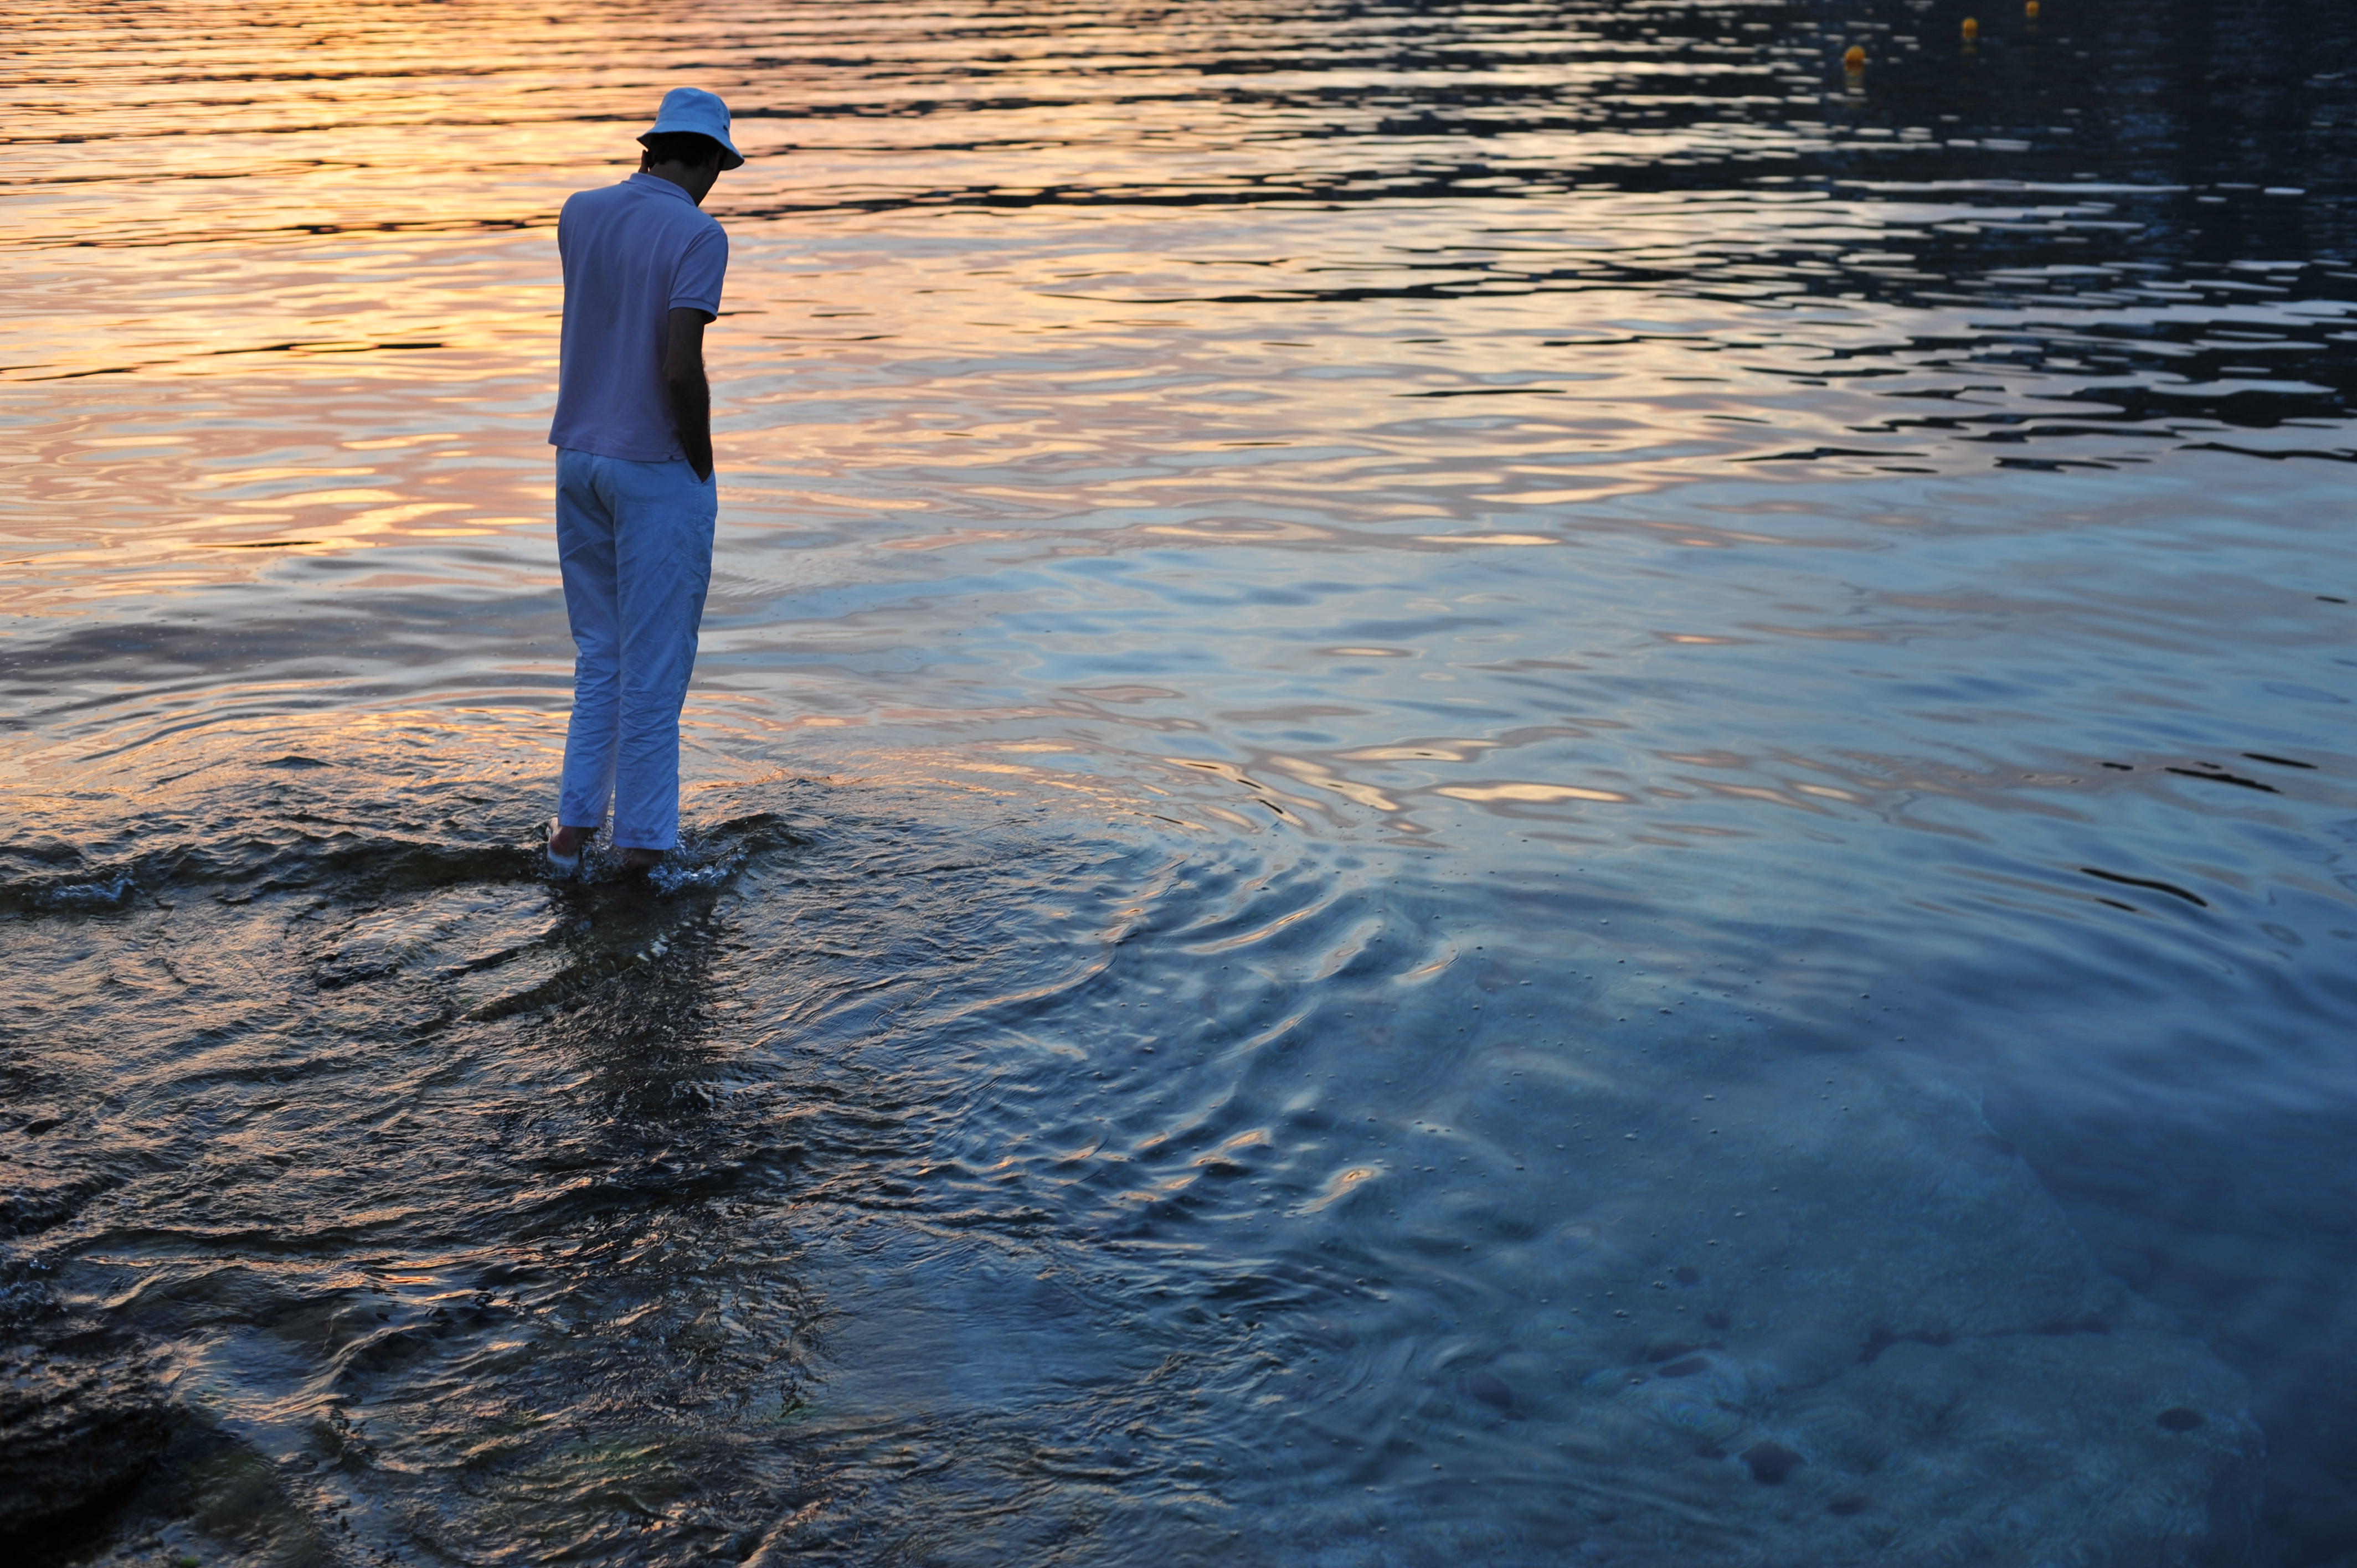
(689, 394)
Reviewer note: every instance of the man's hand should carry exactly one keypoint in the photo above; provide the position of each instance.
(689, 392)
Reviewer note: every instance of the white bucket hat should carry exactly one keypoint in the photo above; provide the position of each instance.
(693, 109)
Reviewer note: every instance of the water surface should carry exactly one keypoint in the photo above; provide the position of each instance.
(1521, 783)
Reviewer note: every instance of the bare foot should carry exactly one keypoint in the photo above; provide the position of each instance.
(641, 859)
(568, 841)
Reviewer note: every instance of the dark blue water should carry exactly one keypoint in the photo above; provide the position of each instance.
(1525, 785)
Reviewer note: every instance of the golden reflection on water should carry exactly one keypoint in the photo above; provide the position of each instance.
(296, 229)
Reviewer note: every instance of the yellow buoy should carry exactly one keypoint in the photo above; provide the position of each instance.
(1854, 58)
(1972, 30)
(2030, 9)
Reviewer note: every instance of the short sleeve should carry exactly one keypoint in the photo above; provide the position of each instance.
(695, 282)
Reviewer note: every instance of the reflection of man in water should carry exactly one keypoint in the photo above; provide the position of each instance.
(635, 497)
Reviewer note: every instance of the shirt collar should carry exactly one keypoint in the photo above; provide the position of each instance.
(644, 180)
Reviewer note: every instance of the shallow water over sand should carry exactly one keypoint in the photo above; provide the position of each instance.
(1514, 784)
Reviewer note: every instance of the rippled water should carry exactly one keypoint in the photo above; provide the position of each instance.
(1518, 783)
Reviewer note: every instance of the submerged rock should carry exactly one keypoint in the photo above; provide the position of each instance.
(1770, 1462)
(82, 1418)
(75, 1433)
(1837, 1322)
(1490, 1390)
(2231, 1210)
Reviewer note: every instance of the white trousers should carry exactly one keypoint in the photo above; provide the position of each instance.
(635, 544)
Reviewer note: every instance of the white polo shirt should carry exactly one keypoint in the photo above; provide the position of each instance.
(633, 253)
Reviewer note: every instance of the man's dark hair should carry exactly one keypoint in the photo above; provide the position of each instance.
(691, 148)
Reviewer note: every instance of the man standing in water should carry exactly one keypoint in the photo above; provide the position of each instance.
(635, 497)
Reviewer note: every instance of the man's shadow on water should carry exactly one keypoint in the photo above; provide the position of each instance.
(667, 1123)
(651, 1225)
